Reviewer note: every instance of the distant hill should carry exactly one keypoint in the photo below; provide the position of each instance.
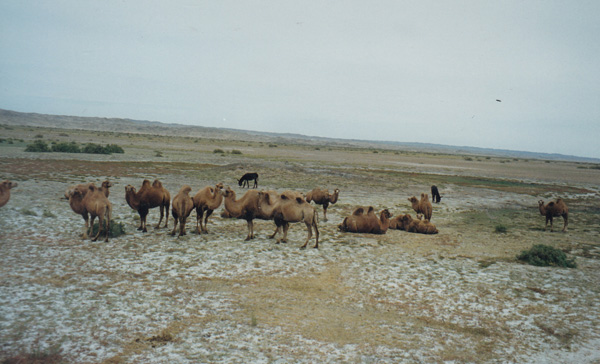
(8, 117)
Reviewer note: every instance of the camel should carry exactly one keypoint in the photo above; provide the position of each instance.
(268, 201)
(206, 200)
(290, 207)
(77, 202)
(422, 207)
(88, 199)
(554, 209)
(418, 226)
(397, 223)
(369, 223)
(5, 187)
(323, 197)
(246, 178)
(149, 197)
(245, 208)
(181, 208)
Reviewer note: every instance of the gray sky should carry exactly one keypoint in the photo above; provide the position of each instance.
(408, 71)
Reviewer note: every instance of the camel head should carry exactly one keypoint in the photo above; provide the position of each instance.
(107, 184)
(227, 191)
(8, 184)
(541, 202)
(185, 189)
(385, 213)
(129, 189)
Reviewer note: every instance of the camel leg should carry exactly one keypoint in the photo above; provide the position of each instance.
(274, 232)
(182, 226)
(205, 227)
(143, 214)
(250, 230)
(175, 220)
(199, 215)
(107, 227)
(286, 228)
(325, 206)
(308, 236)
(162, 213)
(551, 224)
(279, 230)
(86, 230)
(167, 211)
(566, 218)
(316, 235)
(100, 227)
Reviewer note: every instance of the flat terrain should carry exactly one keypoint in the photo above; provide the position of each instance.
(459, 296)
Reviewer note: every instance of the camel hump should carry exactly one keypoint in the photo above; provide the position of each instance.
(371, 210)
(551, 203)
(156, 183)
(146, 182)
(92, 187)
(358, 211)
(299, 200)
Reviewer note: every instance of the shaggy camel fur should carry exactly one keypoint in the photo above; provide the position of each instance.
(245, 208)
(93, 201)
(149, 197)
(181, 208)
(323, 197)
(397, 223)
(290, 207)
(5, 187)
(368, 223)
(554, 209)
(418, 226)
(422, 207)
(206, 201)
(77, 203)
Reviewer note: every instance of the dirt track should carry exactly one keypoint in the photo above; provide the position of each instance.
(459, 296)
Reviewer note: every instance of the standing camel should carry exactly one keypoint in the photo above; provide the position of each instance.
(206, 201)
(422, 207)
(554, 209)
(245, 208)
(323, 197)
(76, 202)
(87, 199)
(5, 187)
(181, 208)
(148, 197)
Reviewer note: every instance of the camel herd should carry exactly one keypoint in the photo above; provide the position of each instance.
(284, 208)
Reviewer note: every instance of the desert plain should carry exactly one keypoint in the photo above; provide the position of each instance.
(459, 296)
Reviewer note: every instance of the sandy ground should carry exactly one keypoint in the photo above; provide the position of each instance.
(456, 297)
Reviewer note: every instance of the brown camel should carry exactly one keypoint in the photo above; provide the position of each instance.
(149, 197)
(359, 222)
(323, 197)
(245, 208)
(418, 226)
(91, 200)
(181, 208)
(422, 207)
(397, 223)
(554, 209)
(206, 201)
(290, 207)
(269, 200)
(5, 187)
(77, 205)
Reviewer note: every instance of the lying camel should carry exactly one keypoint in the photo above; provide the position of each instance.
(92, 200)
(397, 223)
(368, 223)
(149, 197)
(286, 208)
(245, 208)
(418, 226)
(422, 207)
(554, 209)
(77, 203)
(323, 197)
(5, 187)
(206, 201)
(181, 208)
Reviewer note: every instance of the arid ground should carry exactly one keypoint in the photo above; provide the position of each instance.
(460, 296)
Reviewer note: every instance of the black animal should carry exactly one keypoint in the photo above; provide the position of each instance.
(245, 180)
(435, 194)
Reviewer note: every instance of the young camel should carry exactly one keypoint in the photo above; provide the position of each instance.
(93, 201)
(181, 208)
(422, 207)
(554, 209)
(5, 187)
(206, 201)
(359, 222)
(148, 197)
(290, 207)
(245, 208)
(418, 226)
(397, 223)
(323, 197)
(77, 205)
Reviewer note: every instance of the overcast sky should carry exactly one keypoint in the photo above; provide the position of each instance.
(408, 71)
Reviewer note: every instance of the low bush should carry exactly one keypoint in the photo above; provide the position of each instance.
(64, 147)
(544, 256)
(221, 151)
(501, 229)
(116, 229)
(39, 146)
(235, 151)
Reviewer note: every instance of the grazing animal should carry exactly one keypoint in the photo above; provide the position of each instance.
(397, 223)
(418, 226)
(554, 209)
(206, 201)
(77, 202)
(422, 207)
(368, 223)
(323, 197)
(245, 208)
(181, 208)
(149, 197)
(435, 195)
(290, 207)
(246, 178)
(87, 199)
(5, 187)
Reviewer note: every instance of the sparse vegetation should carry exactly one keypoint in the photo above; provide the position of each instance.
(116, 229)
(544, 256)
(219, 151)
(500, 229)
(235, 151)
(40, 146)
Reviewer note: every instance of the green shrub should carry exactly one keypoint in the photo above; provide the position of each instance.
(543, 256)
(113, 148)
(39, 146)
(218, 151)
(116, 229)
(501, 229)
(92, 148)
(64, 147)
(235, 151)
